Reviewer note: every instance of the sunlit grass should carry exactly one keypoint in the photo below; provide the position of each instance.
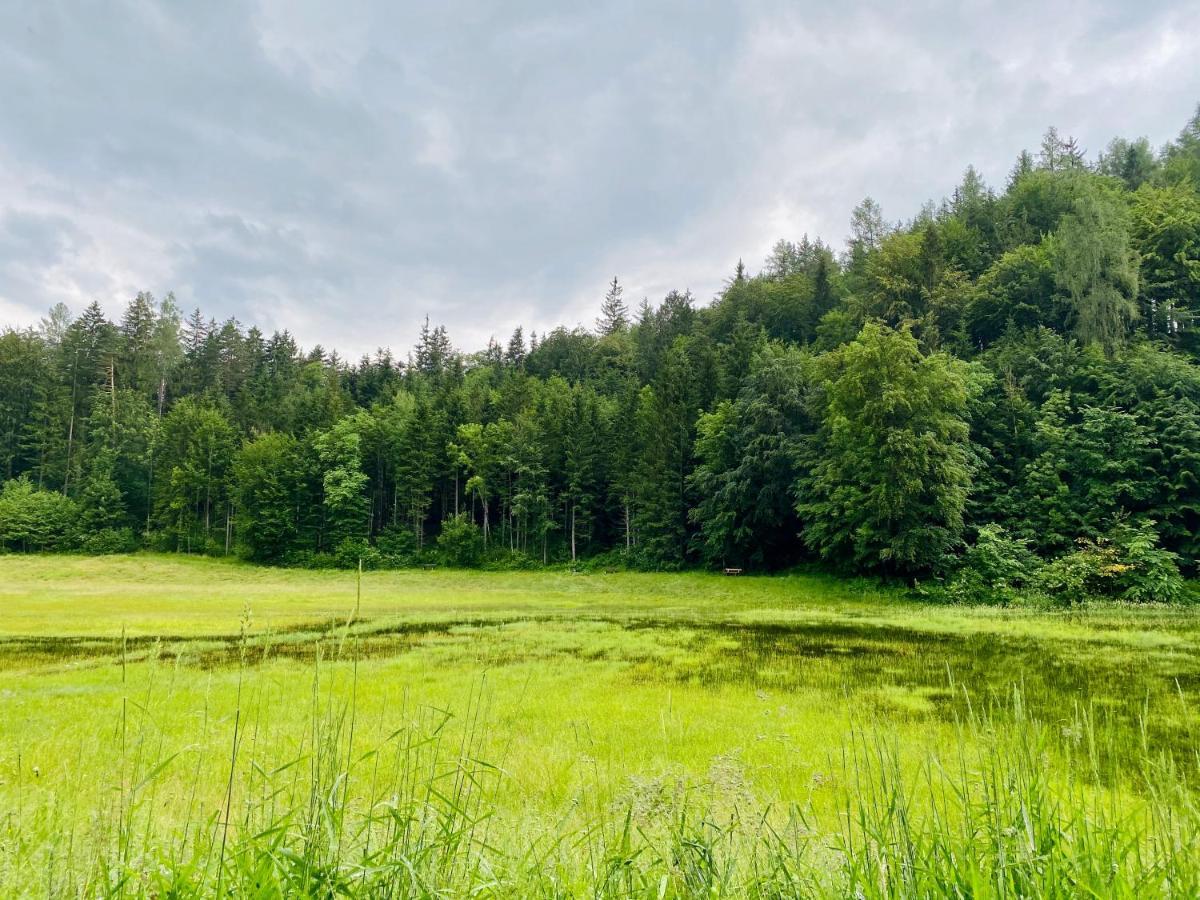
(606, 734)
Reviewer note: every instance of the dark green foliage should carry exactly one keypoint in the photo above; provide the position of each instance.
(666, 417)
(1166, 228)
(748, 452)
(193, 455)
(1018, 367)
(101, 506)
(110, 540)
(1017, 291)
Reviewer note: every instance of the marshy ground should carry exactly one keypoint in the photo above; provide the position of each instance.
(146, 698)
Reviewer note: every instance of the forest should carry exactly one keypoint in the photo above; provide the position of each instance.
(999, 395)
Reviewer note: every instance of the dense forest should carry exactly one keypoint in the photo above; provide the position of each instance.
(1003, 391)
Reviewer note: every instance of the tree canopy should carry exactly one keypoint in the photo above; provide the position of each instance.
(1019, 367)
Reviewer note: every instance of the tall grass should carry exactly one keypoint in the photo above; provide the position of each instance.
(405, 805)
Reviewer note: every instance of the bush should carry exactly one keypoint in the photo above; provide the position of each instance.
(1127, 563)
(111, 540)
(609, 560)
(397, 547)
(1152, 573)
(33, 519)
(1080, 576)
(351, 550)
(502, 559)
(461, 542)
(309, 559)
(992, 570)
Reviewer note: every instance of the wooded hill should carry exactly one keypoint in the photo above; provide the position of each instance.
(1008, 373)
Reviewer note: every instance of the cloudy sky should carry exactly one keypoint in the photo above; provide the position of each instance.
(344, 169)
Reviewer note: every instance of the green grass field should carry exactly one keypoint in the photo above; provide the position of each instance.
(187, 727)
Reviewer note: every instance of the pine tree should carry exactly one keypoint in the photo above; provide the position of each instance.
(514, 354)
(614, 316)
(101, 505)
(137, 339)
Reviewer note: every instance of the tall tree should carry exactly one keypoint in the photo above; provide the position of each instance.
(885, 483)
(614, 315)
(268, 491)
(1096, 267)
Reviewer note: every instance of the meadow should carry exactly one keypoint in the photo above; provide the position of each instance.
(177, 726)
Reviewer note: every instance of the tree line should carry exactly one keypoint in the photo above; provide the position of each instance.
(1002, 389)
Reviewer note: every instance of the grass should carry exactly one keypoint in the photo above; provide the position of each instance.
(187, 727)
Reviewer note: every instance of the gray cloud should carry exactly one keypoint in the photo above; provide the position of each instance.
(344, 171)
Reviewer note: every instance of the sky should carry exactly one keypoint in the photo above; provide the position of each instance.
(345, 169)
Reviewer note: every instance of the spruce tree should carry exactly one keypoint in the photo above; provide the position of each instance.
(614, 316)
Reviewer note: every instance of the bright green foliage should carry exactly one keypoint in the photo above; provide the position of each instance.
(193, 456)
(1166, 229)
(266, 477)
(887, 478)
(1126, 563)
(461, 542)
(1096, 267)
(510, 735)
(32, 519)
(477, 450)
(347, 510)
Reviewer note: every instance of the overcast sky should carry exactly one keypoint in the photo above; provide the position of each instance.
(344, 169)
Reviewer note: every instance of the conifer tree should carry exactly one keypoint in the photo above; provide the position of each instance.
(614, 316)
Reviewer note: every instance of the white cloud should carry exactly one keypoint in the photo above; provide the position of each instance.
(344, 171)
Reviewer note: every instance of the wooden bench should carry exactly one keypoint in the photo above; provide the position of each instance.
(733, 571)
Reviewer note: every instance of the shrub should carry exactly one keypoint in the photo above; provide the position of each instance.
(502, 559)
(1151, 573)
(397, 547)
(1127, 563)
(33, 519)
(111, 540)
(992, 570)
(609, 560)
(461, 542)
(309, 559)
(351, 550)
(1079, 576)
